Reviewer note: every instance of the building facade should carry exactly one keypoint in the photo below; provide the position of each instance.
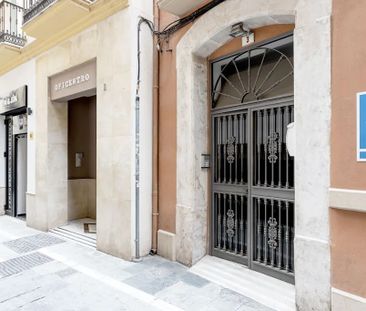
(231, 137)
(78, 65)
(226, 186)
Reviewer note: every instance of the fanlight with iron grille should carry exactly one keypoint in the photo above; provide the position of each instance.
(257, 74)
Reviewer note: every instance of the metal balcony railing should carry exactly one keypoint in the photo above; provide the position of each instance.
(11, 21)
(35, 7)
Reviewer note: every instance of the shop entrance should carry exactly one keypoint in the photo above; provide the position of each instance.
(16, 165)
(253, 174)
(81, 171)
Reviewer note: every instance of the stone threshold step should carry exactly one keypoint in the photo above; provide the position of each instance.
(266, 290)
(75, 237)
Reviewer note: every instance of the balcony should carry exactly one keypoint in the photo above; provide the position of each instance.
(47, 18)
(12, 37)
(11, 17)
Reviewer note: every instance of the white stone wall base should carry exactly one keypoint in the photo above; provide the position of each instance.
(312, 274)
(342, 300)
(30, 202)
(166, 245)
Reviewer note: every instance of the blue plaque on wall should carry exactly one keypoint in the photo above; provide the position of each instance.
(361, 126)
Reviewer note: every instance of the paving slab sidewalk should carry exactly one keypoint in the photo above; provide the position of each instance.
(39, 272)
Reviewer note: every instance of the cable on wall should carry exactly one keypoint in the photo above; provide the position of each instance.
(164, 34)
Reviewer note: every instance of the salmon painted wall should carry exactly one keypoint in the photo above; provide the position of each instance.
(348, 229)
(167, 126)
(168, 111)
(348, 71)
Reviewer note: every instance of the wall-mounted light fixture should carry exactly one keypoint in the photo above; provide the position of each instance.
(239, 30)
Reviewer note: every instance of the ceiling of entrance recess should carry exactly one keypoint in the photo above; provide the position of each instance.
(179, 7)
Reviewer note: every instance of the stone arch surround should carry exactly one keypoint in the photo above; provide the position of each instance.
(312, 37)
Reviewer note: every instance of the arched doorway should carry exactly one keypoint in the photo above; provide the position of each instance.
(252, 212)
(312, 63)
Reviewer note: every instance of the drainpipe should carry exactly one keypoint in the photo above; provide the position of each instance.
(137, 147)
(137, 136)
(175, 26)
(155, 186)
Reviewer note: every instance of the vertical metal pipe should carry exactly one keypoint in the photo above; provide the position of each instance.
(137, 137)
(155, 186)
(137, 147)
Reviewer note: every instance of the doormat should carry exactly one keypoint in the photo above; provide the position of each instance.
(90, 227)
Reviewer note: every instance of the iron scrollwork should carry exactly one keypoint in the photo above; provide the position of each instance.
(272, 233)
(231, 150)
(230, 223)
(273, 147)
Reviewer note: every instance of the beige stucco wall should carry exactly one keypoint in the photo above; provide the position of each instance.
(114, 133)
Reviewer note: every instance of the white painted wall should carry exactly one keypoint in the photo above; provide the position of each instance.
(25, 74)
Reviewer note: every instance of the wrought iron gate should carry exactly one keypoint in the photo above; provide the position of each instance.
(253, 174)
